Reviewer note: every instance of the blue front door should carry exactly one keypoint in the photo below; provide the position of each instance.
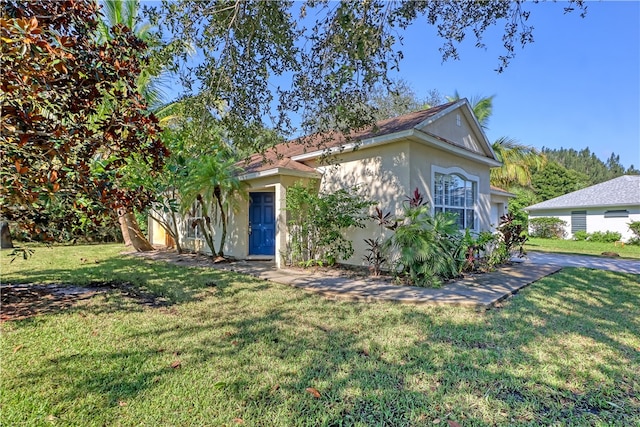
(262, 224)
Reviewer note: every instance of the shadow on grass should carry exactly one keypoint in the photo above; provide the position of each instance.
(384, 364)
(46, 290)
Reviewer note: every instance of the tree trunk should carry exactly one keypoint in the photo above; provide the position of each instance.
(176, 237)
(132, 230)
(223, 220)
(5, 236)
(123, 227)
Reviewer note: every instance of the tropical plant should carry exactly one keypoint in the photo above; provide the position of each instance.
(152, 79)
(479, 250)
(428, 248)
(519, 161)
(513, 236)
(376, 255)
(213, 182)
(481, 105)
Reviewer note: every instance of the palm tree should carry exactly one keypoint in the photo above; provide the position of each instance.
(518, 163)
(518, 160)
(215, 186)
(126, 12)
(482, 107)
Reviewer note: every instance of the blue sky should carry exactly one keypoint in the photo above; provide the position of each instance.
(576, 86)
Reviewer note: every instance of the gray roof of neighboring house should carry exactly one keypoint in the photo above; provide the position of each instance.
(621, 191)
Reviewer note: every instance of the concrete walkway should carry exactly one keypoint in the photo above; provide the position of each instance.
(475, 290)
(597, 262)
(481, 290)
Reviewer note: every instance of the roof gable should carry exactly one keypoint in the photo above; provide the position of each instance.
(314, 146)
(459, 126)
(621, 191)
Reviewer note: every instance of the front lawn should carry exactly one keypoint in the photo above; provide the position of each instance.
(581, 247)
(218, 348)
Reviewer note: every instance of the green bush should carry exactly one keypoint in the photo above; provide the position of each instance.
(604, 236)
(547, 227)
(580, 235)
(317, 222)
(634, 227)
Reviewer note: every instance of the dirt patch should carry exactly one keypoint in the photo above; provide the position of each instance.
(21, 301)
(24, 301)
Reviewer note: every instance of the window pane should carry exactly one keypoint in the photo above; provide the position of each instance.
(459, 216)
(470, 220)
(457, 191)
(470, 194)
(437, 190)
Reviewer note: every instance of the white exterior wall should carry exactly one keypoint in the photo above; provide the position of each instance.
(596, 220)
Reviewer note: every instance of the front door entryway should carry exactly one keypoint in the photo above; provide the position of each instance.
(262, 224)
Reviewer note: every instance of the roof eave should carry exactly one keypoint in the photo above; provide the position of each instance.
(533, 208)
(279, 171)
(368, 142)
(460, 151)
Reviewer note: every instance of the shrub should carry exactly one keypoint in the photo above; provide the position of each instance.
(547, 227)
(605, 236)
(317, 222)
(634, 227)
(480, 250)
(429, 248)
(513, 236)
(580, 235)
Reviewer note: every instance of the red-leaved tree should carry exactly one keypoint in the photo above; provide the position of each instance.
(71, 120)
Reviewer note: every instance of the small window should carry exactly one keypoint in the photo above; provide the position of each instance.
(621, 213)
(194, 221)
(458, 120)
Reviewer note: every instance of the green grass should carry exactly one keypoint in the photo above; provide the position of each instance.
(581, 247)
(564, 351)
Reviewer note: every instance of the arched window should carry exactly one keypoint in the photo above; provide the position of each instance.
(456, 194)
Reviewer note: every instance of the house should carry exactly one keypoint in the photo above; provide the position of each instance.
(442, 151)
(608, 206)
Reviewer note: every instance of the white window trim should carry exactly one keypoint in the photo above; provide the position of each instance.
(467, 176)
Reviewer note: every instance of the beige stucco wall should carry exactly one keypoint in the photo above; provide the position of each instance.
(426, 161)
(447, 127)
(387, 174)
(499, 207)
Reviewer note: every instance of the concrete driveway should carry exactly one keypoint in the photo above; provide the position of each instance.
(568, 260)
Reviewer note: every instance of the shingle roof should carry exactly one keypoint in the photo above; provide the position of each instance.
(501, 191)
(279, 155)
(621, 191)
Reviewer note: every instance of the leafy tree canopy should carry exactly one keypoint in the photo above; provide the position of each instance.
(72, 117)
(271, 61)
(555, 180)
(587, 163)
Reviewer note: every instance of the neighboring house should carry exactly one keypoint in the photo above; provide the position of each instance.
(442, 151)
(608, 206)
